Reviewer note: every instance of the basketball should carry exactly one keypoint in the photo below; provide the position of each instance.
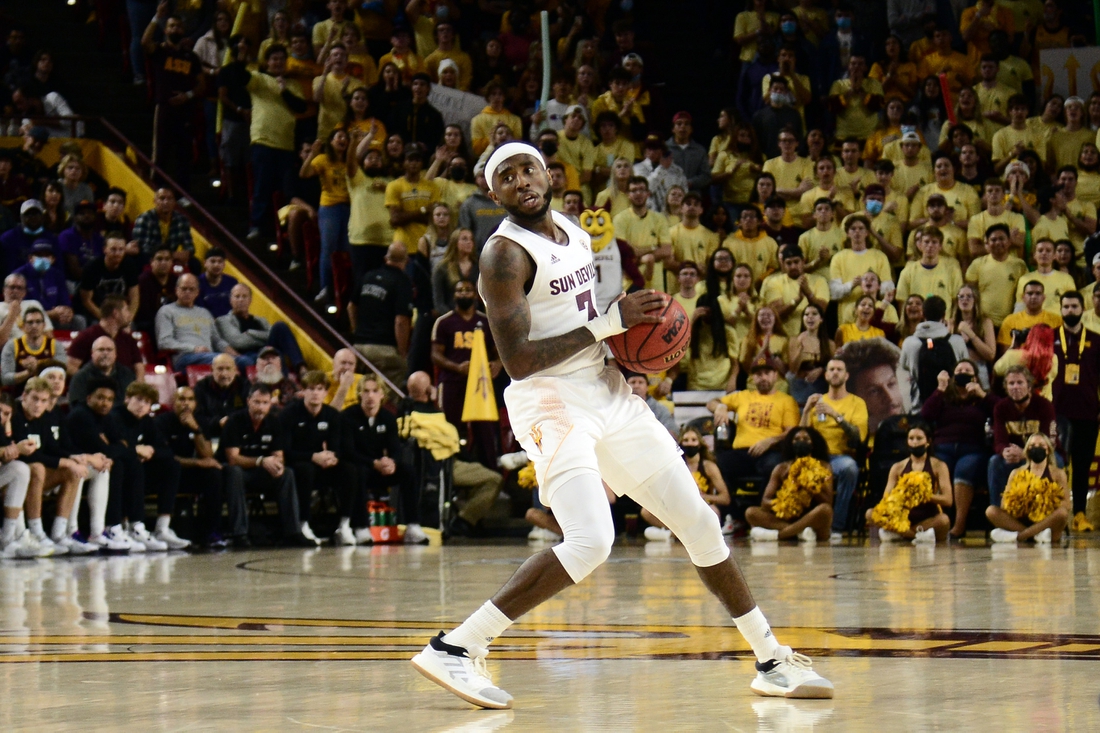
(651, 348)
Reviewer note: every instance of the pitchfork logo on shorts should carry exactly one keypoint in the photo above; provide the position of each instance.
(536, 436)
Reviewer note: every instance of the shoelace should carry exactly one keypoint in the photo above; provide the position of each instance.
(477, 655)
(799, 660)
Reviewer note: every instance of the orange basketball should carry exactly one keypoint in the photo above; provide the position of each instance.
(651, 348)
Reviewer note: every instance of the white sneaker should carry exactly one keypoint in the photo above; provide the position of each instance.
(115, 539)
(925, 537)
(140, 535)
(414, 535)
(322, 296)
(540, 534)
(728, 527)
(513, 461)
(49, 548)
(807, 535)
(307, 532)
(363, 536)
(24, 545)
(173, 541)
(835, 538)
(343, 536)
(76, 546)
(885, 535)
(762, 534)
(658, 534)
(792, 676)
(31, 545)
(1002, 535)
(1043, 538)
(461, 671)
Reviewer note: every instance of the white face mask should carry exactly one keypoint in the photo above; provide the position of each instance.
(780, 98)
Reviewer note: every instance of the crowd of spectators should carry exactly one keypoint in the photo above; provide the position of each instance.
(890, 222)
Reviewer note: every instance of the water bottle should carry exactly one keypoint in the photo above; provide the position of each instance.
(722, 433)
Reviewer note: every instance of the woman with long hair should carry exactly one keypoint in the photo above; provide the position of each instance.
(54, 217)
(809, 351)
(727, 120)
(1065, 260)
(708, 478)
(1039, 456)
(614, 198)
(454, 141)
(718, 221)
(433, 243)
(816, 148)
(1050, 119)
(766, 337)
(586, 87)
(976, 329)
(959, 409)
(737, 294)
(912, 313)
(1088, 174)
(896, 74)
(927, 522)
(526, 97)
(736, 168)
(459, 262)
(1037, 354)
(359, 115)
(968, 112)
(711, 361)
(888, 132)
(388, 92)
(280, 34)
(862, 327)
(674, 199)
(930, 107)
(328, 161)
(801, 444)
(74, 189)
(720, 272)
(588, 55)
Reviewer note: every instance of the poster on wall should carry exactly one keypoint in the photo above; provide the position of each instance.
(1069, 72)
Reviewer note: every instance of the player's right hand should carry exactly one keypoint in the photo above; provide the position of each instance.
(634, 308)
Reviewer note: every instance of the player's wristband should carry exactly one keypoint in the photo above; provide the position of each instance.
(609, 324)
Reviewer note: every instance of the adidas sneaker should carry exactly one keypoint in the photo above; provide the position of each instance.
(792, 676)
(461, 671)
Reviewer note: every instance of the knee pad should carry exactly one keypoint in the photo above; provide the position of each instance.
(679, 505)
(16, 490)
(585, 548)
(581, 508)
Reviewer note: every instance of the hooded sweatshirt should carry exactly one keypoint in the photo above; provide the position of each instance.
(910, 353)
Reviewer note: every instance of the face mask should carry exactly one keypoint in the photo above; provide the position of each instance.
(789, 27)
(32, 232)
(918, 450)
(1071, 321)
(778, 98)
(844, 24)
(464, 303)
(549, 148)
(1036, 454)
(963, 379)
(174, 38)
(458, 174)
(690, 450)
(40, 264)
(802, 448)
(874, 207)
(374, 171)
(744, 146)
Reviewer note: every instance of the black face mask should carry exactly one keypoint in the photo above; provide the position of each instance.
(917, 451)
(374, 171)
(1071, 320)
(963, 379)
(464, 303)
(802, 448)
(690, 450)
(458, 174)
(1036, 454)
(744, 146)
(174, 38)
(549, 148)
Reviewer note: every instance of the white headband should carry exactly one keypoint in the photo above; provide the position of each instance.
(49, 370)
(506, 151)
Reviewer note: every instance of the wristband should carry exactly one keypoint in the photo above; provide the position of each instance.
(609, 324)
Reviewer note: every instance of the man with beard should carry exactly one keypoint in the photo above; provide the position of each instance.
(220, 393)
(269, 371)
(549, 336)
(114, 323)
(102, 365)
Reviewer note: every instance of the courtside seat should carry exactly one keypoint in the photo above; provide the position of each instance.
(195, 372)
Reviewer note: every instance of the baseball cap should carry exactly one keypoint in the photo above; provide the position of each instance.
(1074, 100)
(633, 57)
(910, 137)
(42, 247)
(761, 362)
(936, 197)
(447, 64)
(85, 204)
(268, 351)
(574, 109)
(874, 188)
(1096, 259)
(31, 204)
(681, 116)
(1018, 165)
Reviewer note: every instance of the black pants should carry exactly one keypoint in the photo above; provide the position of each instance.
(175, 141)
(132, 479)
(370, 485)
(239, 481)
(309, 476)
(1079, 437)
(209, 484)
(738, 463)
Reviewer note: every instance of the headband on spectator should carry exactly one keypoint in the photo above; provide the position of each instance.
(506, 151)
(50, 370)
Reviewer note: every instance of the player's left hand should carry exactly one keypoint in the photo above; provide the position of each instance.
(635, 308)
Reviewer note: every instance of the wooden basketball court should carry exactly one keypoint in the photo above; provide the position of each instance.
(945, 638)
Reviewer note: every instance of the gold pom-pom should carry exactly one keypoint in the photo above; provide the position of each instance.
(807, 477)
(701, 481)
(526, 477)
(911, 490)
(1031, 496)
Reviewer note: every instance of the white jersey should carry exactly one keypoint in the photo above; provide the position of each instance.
(609, 275)
(563, 293)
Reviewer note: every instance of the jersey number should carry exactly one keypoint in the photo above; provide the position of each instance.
(584, 300)
(599, 274)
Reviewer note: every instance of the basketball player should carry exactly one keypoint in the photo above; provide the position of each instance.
(578, 422)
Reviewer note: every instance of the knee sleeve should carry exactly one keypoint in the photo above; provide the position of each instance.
(581, 508)
(18, 475)
(673, 497)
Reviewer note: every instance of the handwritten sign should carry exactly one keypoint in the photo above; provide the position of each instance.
(457, 107)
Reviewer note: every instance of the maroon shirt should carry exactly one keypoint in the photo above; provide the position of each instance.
(958, 422)
(456, 335)
(1077, 401)
(1012, 427)
(127, 352)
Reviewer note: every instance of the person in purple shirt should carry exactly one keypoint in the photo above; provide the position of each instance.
(15, 244)
(46, 284)
(214, 285)
(81, 243)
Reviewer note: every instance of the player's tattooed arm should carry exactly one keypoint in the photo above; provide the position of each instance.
(505, 269)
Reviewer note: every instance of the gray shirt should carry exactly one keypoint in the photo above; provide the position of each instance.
(8, 365)
(662, 414)
(243, 340)
(480, 215)
(183, 330)
(910, 353)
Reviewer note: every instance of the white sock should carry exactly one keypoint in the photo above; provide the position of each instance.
(483, 625)
(10, 530)
(754, 627)
(74, 515)
(35, 526)
(163, 521)
(345, 522)
(97, 505)
(60, 528)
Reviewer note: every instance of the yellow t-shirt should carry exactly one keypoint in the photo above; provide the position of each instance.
(1055, 284)
(579, 152)
(748, 22)
(334, 180)
(738, 187)
(605, 155)
(644, 234)
(943, 280)
(1063, 148)
(789, 175)
(961, 197)
(410, 198)
(1000, 19)
(409, 64)
(272, 121)
(865, 176)
(352, 396)
(996, 282)
(1052, 229)
(849, 332)
(907, 176)
(759, 253)
(760, 416)
(843, 196)
(1083, 210)
(710, 372)
(994, 99)
(954, 243)
(780, 287)
(333, 107)
(1022, 320)
(983, 129)
(695, 243)
(370, 219)
(847, 265)
(483, 124)
(888, 226)
(855, 118)
(983, 220)
(814, 241)
(322, 31)
(1088, 187)
(613, 200)
(1006, 138)
(363, 68)
(854, 411)
(1013, 71)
